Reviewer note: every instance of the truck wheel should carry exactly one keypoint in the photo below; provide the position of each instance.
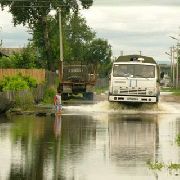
(64, 96)
(88, 96)
(91, 96)
(157, 99)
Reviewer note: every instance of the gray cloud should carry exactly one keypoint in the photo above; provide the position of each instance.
(137, 2)
(151, 44)
(15, 39)
(135, 28)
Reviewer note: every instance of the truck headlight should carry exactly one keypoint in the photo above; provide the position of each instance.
(115, 91)
(150, 92)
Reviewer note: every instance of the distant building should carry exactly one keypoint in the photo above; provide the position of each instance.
(9, 51)
(166, 68)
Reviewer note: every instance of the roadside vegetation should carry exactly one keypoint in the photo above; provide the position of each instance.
(99, 90)
(175, 91)
(49, 95)
(20, 86)
(16, 83)
(171, 167)
(178, 139)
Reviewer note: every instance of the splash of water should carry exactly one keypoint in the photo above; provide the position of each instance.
(105, 106)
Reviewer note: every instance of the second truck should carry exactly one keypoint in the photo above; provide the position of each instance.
(77, 78)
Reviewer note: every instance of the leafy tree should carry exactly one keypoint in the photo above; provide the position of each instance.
(99, 54)
(26, 59)
(35, 14)
(104, 69)
(77, 36)
(80, 43)
(7, 62)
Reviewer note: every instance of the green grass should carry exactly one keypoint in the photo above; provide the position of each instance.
(101, 90)
(49, 96)
(175, 91)
(174, 166)
(178, 139)
(155, 166)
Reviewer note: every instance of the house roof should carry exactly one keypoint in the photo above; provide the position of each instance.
(10, 51)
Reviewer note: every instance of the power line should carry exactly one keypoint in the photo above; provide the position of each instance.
(33, 3)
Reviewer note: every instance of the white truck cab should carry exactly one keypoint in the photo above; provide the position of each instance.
(134, 78)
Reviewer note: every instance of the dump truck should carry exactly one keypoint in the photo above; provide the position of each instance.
(134, 78)
(77, 78)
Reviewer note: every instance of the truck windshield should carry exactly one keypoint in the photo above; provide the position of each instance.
(134, 70)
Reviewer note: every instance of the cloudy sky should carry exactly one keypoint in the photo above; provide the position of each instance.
(129, 26)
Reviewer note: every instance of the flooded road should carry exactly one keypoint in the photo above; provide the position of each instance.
(91, 142)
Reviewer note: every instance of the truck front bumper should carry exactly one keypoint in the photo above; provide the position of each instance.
(148, 99)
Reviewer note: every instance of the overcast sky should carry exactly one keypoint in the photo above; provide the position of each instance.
(129, 25)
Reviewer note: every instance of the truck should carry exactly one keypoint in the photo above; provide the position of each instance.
(134, 78)
(77, 78)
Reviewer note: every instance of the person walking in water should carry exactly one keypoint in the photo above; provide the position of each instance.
(58, 102)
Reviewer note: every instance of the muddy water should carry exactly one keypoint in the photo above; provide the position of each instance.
(91, 142)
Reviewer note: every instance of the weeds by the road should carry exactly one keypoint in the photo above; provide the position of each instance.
(158, 166)
(155, 166)
(100, 90)
(178, 140)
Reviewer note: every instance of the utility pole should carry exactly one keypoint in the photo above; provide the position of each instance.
(0, 39)
(173, 66)
(60, 46)
(140, 53)
(171, 55)
(171, 51)
(177, 65)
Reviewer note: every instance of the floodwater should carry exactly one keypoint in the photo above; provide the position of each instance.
(91, 142)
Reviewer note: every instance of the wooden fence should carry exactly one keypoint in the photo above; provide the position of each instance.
(38, 74)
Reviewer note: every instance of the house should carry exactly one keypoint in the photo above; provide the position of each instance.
(9, 51)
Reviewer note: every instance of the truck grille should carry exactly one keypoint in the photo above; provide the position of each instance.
(131, 92)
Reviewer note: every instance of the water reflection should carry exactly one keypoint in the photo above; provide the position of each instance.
(88, 147)
(132, 139)
(57, 125)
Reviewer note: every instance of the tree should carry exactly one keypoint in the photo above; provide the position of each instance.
(76, 36)
(25, 59)
(35, 14)
(7, 62)
(99, 54)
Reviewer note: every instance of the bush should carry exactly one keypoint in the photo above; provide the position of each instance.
(49, 95)
(17, 83)
(24, 100)
(7, 62)
(32, 83)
